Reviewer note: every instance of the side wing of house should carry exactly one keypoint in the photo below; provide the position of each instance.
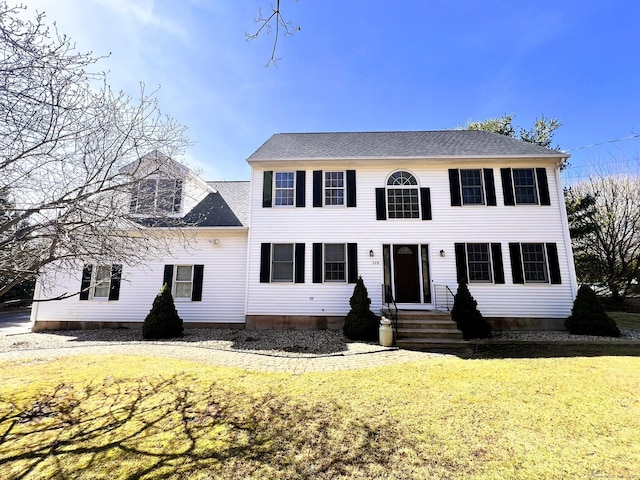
(410, 227)
(204, 263)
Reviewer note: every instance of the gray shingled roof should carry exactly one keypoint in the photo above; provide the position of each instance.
(430, 144)
(236, 196)
(228, 206)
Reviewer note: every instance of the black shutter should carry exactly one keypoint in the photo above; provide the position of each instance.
(168, 276)
(317, 263)
(177, 196)
(516, 263)
(196, 291)
(461, 262)
(454, 187)
(265, 263)
(85, 282)
(352, 261)
(300, 190)
(133, 205)
(114, 287)
(381, 207)
(498, 267)
(425, 201)
(507, 186)
(317, 188)
(299, 260)
(543, 186)
(489, 186)
(267, 189)
(351, 188)
(554, 264)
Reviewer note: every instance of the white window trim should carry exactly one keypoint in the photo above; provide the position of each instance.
(293, 263)
(483, 189)
(94, 282)
(491, 272)
(174, 285)
(324, 263)
(415, 187)
(343, 188)
(276, 189)
(536, 188)
(547, 274)
(155, 210)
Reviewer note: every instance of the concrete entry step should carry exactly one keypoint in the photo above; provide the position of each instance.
(427, 330)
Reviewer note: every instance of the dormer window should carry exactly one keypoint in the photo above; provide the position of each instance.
(156, 196)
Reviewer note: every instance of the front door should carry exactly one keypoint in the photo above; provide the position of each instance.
(406, 273)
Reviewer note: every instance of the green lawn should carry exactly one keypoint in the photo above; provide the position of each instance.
(139, 417)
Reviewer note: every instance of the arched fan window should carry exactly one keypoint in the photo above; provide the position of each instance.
(403, 200)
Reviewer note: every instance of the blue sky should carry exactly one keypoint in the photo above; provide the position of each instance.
(371, 65)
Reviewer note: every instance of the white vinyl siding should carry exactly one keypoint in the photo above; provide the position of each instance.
(450, 225)
(223, 290)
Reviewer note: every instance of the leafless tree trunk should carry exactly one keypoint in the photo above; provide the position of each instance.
(65, 139)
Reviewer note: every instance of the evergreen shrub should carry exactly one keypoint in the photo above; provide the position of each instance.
(467, 316)
(361, 323)
(163, 320)
(588, 316)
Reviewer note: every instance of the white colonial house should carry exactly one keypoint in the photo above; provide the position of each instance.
(409, 212)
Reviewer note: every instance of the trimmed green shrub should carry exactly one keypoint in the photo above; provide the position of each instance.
(588, 316)
(361, 323)
(467, 316)
(163, 320)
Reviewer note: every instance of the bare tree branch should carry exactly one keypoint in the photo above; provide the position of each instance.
(266, 23)
(70, 156)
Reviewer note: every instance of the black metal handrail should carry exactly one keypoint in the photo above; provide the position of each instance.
(444, 297)
(387, 298)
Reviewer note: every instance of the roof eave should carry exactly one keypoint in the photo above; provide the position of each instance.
(431, 157)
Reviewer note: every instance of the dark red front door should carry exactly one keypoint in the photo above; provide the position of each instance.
(406, 274)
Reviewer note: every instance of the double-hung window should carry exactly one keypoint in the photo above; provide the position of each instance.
(403, 200)
(334, 188)
(282, 262)
(183, 284)
(471, 185)
(101, 282)
(156, 195)
(335, 262)
(524, 186)
(284, 188)
(479, 262)
(534, 263)
(184, 281)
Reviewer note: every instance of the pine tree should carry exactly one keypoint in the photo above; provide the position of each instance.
(467, 316)
(163, 320)
(361, 323)
(588, 316)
